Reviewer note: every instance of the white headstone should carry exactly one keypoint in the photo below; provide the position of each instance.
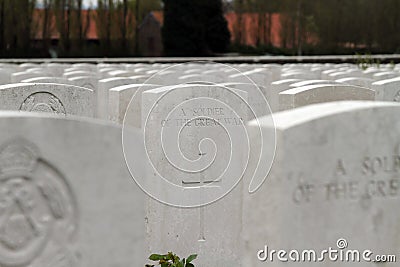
(387, 90)
(5, 75)
(335, 176)
(257, 96)
(384, 75)
(358, 81)
(260, 76)
(20, 76)
(67, 198)
(310, 82)
(319, 93)
(57, 69)
(85, 81)
(104, 85)
(181, 121)
(59, 99)
(276, 88)
(119, 99)
(78, 73)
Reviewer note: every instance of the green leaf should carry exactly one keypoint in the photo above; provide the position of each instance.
(176, 259)
(170, 256)
(191, 258)
(156, 257)
(182, 263)
(172, 260)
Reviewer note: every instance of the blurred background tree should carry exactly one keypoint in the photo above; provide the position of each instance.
(15, 26)
(71, 28)
(194, 28)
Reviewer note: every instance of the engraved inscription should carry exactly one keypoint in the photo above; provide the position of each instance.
(43, 102)
(375, 177)
(36, 205)
(203, 117)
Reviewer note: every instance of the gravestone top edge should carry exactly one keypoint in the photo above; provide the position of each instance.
(115, 79)
(54, 85)
(284, 81)
(10, 114)
(301, 89)
(354, 79)
(129, 86)
(294, 117)
(386, 81)
(81, 77)
(180, 86)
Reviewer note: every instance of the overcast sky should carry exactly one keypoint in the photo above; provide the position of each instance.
(86, 3)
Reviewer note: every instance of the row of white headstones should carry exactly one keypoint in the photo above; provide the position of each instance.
(67, 196)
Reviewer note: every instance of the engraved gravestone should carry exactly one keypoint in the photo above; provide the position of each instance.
(121, 73)
(325, 74)
(276, 88)
(335, 176)
(196, 147)
(47, 97)
(320, 93)
(17, 77)
(310, 82)
(85, 81)
(384, 75)
(85, 67)
(358, 81)
(122, 96)
(102, 93)
(57, 211)
(302, 74)
(387, 90)
(78, 73)
(258, 97)
(56, 69)
(370, 72)
(339, 75)
(28, 65)
(260, 76)
(38, 206)
(103, 71)
(5, 75)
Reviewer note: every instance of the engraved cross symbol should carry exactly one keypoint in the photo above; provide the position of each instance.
(204, 184)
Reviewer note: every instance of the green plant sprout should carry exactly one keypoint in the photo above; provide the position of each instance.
(171, 260)
(366, 61)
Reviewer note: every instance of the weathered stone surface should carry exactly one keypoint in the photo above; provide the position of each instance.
(336, 175)
(47, 97)
(387, 90)
(321, 93)
(67, 198)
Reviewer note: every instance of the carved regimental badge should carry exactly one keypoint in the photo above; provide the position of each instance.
(43, 102)
(397, 97)
(38, 214)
